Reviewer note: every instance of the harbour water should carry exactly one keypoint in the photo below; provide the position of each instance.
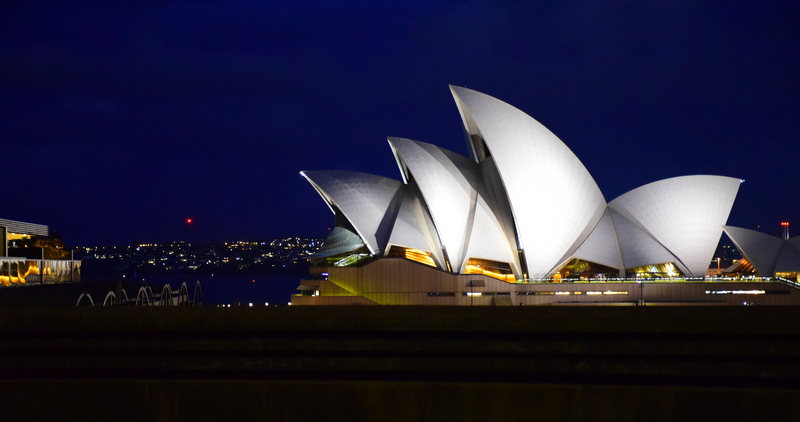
(274, 289)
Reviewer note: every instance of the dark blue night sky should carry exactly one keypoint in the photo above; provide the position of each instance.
(119, 122)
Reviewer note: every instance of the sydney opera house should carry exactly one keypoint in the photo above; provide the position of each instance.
(518, 221)
(766, 254)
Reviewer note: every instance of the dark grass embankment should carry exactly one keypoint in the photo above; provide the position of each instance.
(401, 363)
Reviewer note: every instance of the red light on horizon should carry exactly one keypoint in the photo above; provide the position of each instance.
(784, 223)
(189, 221)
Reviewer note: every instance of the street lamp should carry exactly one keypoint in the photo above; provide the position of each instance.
(471, 284)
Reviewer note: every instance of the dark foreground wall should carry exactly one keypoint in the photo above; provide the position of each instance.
(400, 363)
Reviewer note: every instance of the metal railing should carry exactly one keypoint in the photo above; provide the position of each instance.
(705, 279)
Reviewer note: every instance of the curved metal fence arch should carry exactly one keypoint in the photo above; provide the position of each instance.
(198, 293)
(143, 298)
(150, 295)
(183, 295)
(110, 299)
(82, 302)
(166, 296)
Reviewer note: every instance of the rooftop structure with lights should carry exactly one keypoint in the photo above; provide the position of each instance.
(26, 266)
(520, 211)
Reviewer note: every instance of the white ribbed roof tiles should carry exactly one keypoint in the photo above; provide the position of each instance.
(789, 259)
(602, 246)
(447, 182)
(451, 187)
(768, 254)
(525, 191)
(414, 229)
(555, 201)
(683, 214)
(487, 239)
(636, 246)
(364, 199)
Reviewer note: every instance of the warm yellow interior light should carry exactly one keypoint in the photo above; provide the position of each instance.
(420, 256)
(476, 269)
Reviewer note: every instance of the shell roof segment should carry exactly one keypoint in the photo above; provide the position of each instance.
(369, 202)
(763, 250)
(525, 199)
(555, 201)
(684, 214)
(602, 246)
(452, 188)
(414, 229)
(448, 183)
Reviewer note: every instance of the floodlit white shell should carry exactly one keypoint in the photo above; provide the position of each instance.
(683, 214)
(524, 190)
(367, 201)
(414, 229)
(764, 250)
(452, 190)
(637, 247)
(555, 202)
(602, 246)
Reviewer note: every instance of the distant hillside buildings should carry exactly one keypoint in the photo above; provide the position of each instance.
(185, 257)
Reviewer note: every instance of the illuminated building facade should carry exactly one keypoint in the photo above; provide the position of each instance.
(521, 208)
(17, 268)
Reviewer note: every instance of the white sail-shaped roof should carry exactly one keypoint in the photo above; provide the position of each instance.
(487, 238)
(339, 241)
(525, 199)
(368, 202)
(637, 247)
(554, 199)
(414, 229)
(794, 243)
(788, 260)
(448, 184)
(684, 214)
(602, 246)
(451, 187)
(498, 199)
(760, 249)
